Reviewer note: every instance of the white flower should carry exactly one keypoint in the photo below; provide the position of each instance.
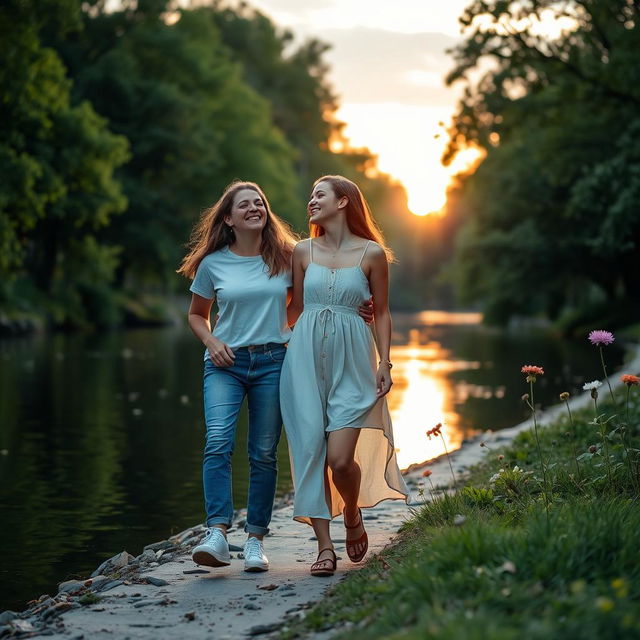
(495, 476)
(589, 386)
(517, 469)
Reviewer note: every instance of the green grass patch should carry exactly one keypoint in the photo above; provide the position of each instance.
(504, 558)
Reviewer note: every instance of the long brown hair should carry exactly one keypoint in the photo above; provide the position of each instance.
(359, 218)
(211, 233)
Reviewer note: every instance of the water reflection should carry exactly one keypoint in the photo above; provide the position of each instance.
(419, 401)
(450, 369)
(422, 395)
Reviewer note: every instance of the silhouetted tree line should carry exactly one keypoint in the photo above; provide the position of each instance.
(551, 217)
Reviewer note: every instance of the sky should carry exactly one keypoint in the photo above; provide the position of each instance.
(388, 63)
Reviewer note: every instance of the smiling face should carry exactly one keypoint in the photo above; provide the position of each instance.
(324, 203)
(248, 212)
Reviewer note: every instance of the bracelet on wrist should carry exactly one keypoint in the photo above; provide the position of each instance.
(388, 363)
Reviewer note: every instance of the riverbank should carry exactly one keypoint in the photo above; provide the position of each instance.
(161, 593)
(161, 590)
(130, 311)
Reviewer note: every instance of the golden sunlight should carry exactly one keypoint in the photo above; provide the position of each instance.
(422, 398)
(409, 141)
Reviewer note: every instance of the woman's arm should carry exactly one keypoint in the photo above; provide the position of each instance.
(199, 312)
(299, 263)
(379, 285)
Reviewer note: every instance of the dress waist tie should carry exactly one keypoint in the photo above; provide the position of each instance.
(328, 311)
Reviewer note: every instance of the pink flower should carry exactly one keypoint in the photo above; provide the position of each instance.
(600, 337)
(630, 380)
(426, 473)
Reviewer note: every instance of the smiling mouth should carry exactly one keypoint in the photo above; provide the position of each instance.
(254, 217)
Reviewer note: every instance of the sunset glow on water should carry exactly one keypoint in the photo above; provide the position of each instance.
(422, 397)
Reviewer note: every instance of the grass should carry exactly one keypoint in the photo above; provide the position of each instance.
(505, 571)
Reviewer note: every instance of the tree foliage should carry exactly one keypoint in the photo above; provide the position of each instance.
(293, 80)
(551, 225)
(57, 160)
(193, 125)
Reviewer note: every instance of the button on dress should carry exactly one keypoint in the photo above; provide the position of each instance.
(328, 383)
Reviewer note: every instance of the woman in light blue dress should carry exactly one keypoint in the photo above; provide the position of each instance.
(333, 381)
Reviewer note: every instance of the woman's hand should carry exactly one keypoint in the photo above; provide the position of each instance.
(219, 352)
(383, 380)
(365, 311)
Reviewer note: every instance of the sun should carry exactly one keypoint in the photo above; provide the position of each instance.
(426, 199)
(409, 142)
(428, 194)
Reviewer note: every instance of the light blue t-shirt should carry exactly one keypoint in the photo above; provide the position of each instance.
(252, 307)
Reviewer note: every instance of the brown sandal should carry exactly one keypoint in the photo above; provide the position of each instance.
(319, 567)
(354, 545)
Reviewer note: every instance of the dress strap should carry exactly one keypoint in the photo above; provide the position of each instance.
(310, 249)
(366, 246)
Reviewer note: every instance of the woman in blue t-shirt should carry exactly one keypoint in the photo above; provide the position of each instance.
(240, 257)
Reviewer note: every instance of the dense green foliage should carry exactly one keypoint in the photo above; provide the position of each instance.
(193, 123)
(119, 128)
(57, 160)
(489, 562)
(552, 221)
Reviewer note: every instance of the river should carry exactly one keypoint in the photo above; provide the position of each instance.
(101, 434)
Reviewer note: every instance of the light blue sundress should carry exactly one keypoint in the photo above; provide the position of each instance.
(328, 383)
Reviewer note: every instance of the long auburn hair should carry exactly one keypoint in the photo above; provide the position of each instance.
(359, 218)
(211, 233)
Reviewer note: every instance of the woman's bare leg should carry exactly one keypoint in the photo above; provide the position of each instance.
(321, 528)
(341, 447)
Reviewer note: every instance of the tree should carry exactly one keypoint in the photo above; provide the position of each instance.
(293, 80)
(57, 160)
(553, 115)
(192, 122)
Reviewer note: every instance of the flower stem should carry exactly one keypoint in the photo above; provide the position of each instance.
(627, 413)
(547, 494)
(604, 442)
(625, 430)
(574, 438)
(604, 369)
(453, 475)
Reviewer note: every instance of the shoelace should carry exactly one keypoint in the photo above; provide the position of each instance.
(211, 534)
(254, 546)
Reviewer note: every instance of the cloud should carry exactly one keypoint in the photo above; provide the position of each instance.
(296, 6)
(402, 16)
(374, 65)
(379, 53)
(292, 13)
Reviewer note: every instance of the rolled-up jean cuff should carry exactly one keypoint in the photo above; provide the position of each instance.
(252, 528)
(213, 521)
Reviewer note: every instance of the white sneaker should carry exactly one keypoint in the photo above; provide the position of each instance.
(254, 558)
(213, 551)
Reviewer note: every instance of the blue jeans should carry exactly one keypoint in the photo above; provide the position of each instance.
(256, 373)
